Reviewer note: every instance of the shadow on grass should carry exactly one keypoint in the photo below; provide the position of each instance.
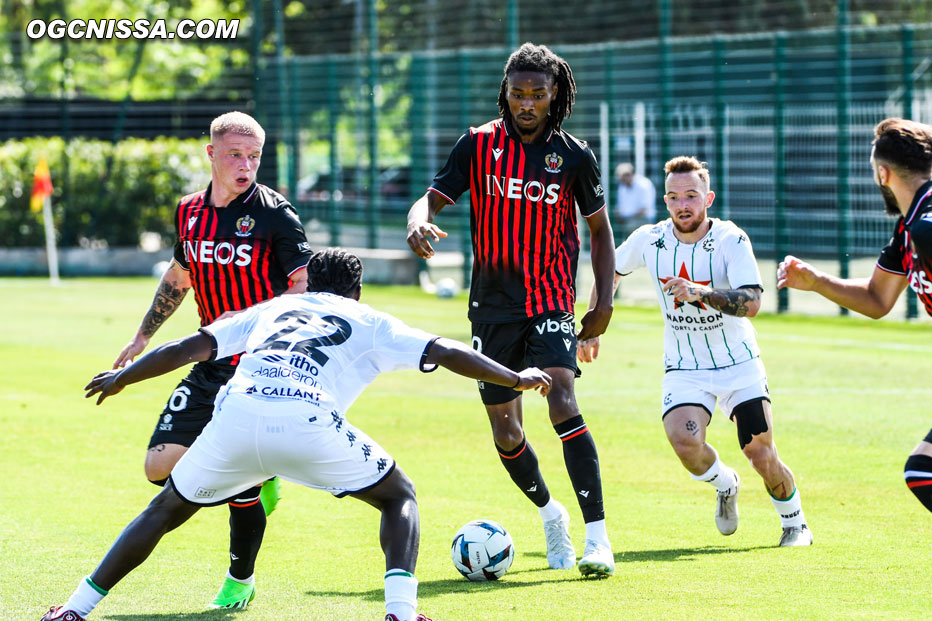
(458, 585)
(204, 615)
(671, 554)
(433, 587)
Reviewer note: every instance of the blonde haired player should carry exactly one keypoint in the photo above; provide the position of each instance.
(708, 285)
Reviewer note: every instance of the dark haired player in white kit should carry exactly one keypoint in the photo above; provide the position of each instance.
(307, 358)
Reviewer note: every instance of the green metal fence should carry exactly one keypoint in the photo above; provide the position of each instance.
(784, 119)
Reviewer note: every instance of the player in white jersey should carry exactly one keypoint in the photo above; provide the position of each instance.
(307, 358)
(708, 284)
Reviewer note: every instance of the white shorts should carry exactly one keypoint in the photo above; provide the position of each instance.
(239, 449)
(730, 386)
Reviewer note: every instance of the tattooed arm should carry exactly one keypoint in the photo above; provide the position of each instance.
(742, 302)
(171, 291)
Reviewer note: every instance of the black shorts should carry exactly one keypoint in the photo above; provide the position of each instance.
(543, 341)
(191, 405)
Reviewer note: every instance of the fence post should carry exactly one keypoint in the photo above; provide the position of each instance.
(257, 63)
(512, 25)
(666, 78)
(720, 168)
(333, 118)
(294, 152)
(608, 175)
(66, 78)
(417, 121)
(912, 310)
(279, 20)
(843, 69)
(779, 156)
(374, 209)
(466, 218)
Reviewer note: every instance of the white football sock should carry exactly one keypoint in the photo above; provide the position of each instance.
(596, 532)
(550, 511)
(250, 580)
(85, 598)
(720, 476)
(400, 594)
(790, 510)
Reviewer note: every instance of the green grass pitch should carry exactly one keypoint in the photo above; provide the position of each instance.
(850, 400)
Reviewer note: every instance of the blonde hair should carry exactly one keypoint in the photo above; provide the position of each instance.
(688, 164)
(236, 123)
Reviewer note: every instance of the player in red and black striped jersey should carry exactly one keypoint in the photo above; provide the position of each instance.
(239, 243)
(526, 177)
(902, 163)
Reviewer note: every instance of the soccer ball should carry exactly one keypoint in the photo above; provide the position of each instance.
(482, 550)
(446, 288)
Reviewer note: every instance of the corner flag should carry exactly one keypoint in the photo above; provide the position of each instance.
(42, 201)
(41, 185)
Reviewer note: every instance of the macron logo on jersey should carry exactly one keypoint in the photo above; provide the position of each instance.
(191, 221)
(497, 153)
(513, 188)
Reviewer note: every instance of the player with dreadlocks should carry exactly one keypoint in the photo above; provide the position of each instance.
(526, 177)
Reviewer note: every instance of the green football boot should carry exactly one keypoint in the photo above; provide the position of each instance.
(233, 594)
(270, 494)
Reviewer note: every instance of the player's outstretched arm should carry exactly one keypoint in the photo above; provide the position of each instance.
(595, 321)
(467, 362)
(172, 288)
(587, 350)
(421, 224)
(163, 359)
(873, 297)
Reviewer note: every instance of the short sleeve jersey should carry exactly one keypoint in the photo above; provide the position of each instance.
(240, 254)
(909, 252)
(696, 336)
(313, 354)
(523, 200)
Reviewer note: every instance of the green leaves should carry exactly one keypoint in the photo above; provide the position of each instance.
(90, 206)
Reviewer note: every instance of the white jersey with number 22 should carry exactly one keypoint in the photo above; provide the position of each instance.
(314, 353)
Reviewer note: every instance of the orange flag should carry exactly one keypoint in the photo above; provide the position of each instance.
(41, 185)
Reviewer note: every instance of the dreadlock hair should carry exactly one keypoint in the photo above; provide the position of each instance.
(540, 58)
(334, 270)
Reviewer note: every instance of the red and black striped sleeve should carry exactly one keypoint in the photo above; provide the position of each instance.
(590, 196)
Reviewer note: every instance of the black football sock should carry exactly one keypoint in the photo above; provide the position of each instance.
(247, 525)
(582, 464)
(521, 464)
(918, 473)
